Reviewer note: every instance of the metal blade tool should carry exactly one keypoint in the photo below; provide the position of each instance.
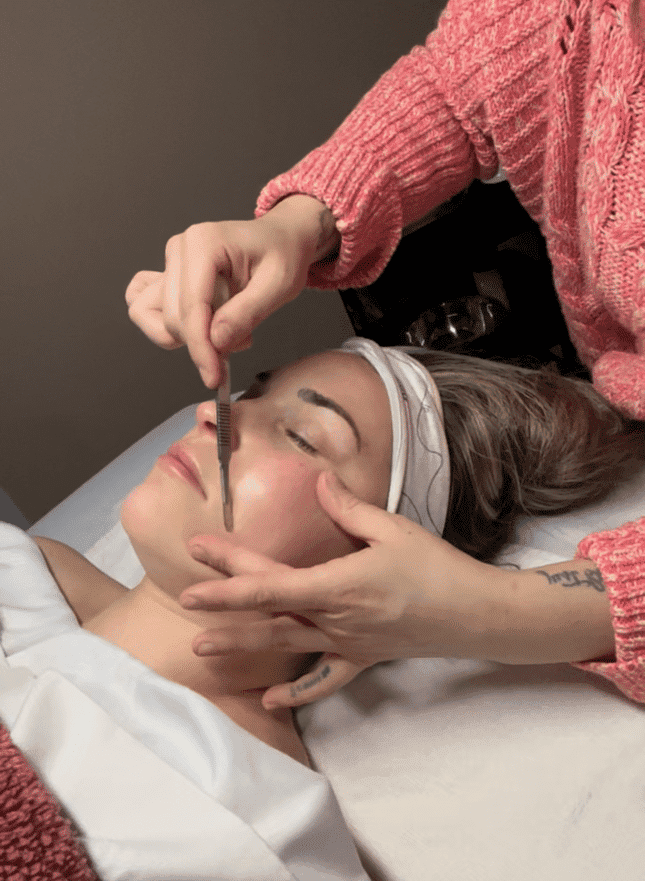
(224, 442)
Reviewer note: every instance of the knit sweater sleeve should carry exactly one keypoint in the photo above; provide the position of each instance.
(425, 131)
(620, 556)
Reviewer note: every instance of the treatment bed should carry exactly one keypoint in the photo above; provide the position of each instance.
(450, 769)
(453, 769)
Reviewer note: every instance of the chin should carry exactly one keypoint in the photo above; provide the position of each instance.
(139, 518)
(153, 518)
(160, 549)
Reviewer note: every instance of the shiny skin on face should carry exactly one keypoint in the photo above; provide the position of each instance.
(281, 440)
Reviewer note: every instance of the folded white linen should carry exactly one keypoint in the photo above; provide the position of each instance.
(159, 781)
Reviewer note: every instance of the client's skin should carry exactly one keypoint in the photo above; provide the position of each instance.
(282, 440)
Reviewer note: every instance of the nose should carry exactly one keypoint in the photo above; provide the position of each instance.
(206, 419)
(206, 415)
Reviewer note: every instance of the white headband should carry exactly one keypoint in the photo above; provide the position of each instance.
(420, 476)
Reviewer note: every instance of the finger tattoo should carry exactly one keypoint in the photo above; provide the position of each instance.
(309, 683)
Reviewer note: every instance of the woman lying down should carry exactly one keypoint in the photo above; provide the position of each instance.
(167, 763)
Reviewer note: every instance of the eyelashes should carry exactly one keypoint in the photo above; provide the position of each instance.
(300, 442)
(256, 390)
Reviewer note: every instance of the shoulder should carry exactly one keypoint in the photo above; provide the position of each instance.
(87, 590)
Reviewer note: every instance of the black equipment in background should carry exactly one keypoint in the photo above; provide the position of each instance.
(475, 278)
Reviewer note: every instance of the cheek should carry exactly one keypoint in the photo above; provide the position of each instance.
(279, 514)
(272, 497)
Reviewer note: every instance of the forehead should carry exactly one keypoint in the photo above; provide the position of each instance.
(344, 371)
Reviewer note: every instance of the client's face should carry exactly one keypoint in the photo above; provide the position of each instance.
(326, 412)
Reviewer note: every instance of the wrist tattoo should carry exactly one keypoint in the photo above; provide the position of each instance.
(309, 683)
(571, 578)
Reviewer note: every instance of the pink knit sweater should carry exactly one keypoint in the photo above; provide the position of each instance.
(552, 91)
(37, 841)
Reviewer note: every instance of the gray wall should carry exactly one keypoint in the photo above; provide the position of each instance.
(123, 122)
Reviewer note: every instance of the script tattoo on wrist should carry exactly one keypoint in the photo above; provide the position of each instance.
(309, 683)
(571, 578)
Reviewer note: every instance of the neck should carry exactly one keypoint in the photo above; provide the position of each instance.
(151, 626)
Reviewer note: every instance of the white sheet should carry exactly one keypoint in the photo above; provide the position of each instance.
(159, 781)
(451, 769)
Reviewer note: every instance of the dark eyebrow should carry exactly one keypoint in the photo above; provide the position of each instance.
(312, 397)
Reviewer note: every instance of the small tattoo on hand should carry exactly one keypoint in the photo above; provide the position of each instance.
(309, 683)
(571, 578)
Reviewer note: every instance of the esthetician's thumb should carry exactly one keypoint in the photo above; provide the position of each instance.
(357, 518)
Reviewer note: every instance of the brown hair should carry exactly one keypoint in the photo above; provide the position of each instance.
(524, 441)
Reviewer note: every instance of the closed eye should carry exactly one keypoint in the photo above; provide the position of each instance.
(300, 442)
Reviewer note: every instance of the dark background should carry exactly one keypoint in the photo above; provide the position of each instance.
(123, 122)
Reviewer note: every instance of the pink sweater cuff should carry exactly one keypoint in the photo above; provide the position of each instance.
(619, 554)
(399, 154)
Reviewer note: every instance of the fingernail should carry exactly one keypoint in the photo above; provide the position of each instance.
(207, 377)
(191, 602)
(205, 648)
(221, 334)
(269, 705)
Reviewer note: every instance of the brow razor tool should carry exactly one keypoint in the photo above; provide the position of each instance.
(223, 401)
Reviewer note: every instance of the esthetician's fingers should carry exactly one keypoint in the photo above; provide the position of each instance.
(273, 283)
(263, 263)
(224, 279)
(198, 274)
(286, 633)
(272, 591)
(276, 280)
(261, 583)
(221, 554)
(329, 673)
(406, 594)
(145, 298)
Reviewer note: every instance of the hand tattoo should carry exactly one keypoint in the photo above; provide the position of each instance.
(309, 683)
(568, 578)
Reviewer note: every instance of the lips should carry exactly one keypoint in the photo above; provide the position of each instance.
(181, 454)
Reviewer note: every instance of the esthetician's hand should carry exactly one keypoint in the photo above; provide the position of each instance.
(262, 262)
(407, 594)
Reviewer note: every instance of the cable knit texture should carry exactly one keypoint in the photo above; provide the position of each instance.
(619, 556)
(552, 91)
(36, 842)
